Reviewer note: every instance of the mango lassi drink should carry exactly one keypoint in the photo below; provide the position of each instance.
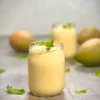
(65, 34)
(46, 68)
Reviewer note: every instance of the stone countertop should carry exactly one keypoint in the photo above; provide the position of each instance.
(16, 75)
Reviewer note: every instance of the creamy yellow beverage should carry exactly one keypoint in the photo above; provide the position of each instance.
(65, 34)
(46, 69)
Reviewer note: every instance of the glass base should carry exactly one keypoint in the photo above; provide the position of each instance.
(37, 95)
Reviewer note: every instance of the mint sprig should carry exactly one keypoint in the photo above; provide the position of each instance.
(42, 43)
(68, 25)
(48, 44)
(12, 90)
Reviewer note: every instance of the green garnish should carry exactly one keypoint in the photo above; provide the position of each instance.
(80, 91)
(67, 70)
(2, 70)
(48, 44)
(12, 90)
(42, 43)
(68, 25)
(21, 56)
(97, 73)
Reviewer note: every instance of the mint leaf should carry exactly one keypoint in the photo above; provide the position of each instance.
(21, 56)
(12, 90)
(2, 70)
(67, 70)
(68, 25)
(97, 73)
(42, 43)
(49, 44)
(80, 91)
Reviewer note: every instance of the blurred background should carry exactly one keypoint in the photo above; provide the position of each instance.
(37, 16)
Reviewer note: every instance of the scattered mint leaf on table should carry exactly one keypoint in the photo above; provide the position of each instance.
(21, 56)
(67, 70)
(80, 91)
(12, 90)
(2, 70)
(97, 73)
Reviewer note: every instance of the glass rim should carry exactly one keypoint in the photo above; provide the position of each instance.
(60, 45)
(54, 25)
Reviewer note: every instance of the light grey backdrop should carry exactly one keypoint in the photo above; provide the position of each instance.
(37, 16)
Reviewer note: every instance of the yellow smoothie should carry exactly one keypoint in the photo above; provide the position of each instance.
(66, 36)
(46, 70)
